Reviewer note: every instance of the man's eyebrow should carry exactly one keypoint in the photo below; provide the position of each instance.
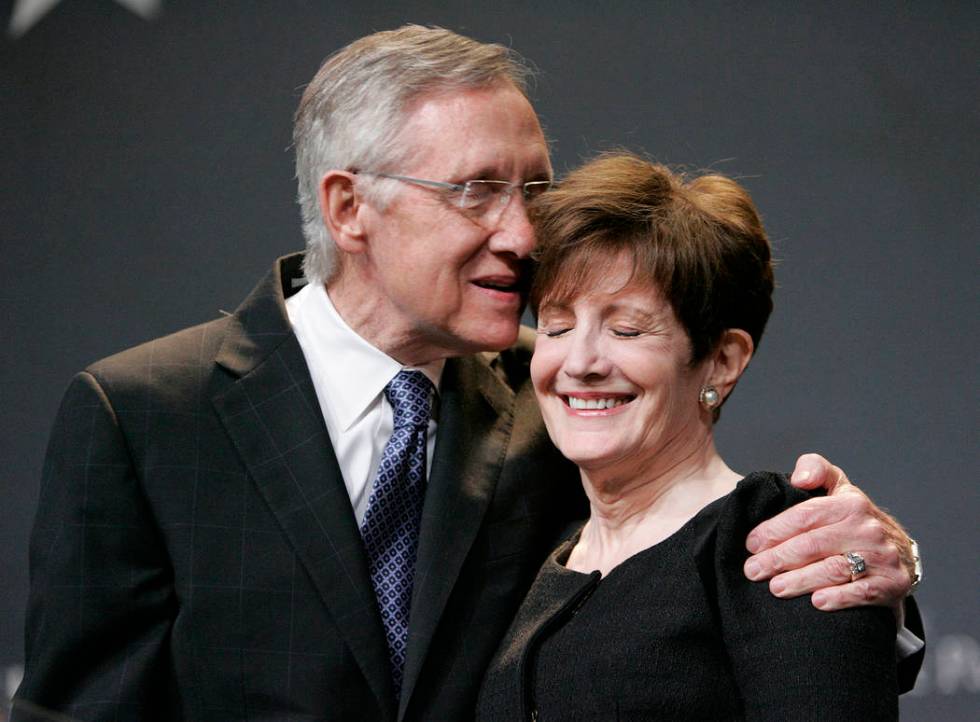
(486, 172)
(493, 172)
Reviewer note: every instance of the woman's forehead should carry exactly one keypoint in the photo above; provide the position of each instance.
(610, 294)
(592, 274)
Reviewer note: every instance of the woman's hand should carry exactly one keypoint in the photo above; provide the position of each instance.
(801, 550)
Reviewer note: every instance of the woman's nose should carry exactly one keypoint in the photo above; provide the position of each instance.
(586, 357)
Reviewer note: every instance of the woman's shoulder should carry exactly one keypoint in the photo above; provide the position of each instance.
(775, 644)
(758, 496)
(762, 494)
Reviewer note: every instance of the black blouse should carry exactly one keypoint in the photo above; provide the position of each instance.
(676, 632)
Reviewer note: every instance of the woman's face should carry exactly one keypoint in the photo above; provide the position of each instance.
(612, 375)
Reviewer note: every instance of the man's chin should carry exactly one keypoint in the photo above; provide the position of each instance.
(494, 337)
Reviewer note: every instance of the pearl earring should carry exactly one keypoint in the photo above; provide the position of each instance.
(709, 397)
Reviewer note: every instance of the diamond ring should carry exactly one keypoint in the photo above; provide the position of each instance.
(856, 562)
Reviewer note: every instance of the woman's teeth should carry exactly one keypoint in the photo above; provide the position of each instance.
(577, 403)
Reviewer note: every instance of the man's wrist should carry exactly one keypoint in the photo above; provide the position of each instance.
(915, 567)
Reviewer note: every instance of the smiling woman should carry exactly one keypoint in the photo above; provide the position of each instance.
(652, 293)
(612, 370)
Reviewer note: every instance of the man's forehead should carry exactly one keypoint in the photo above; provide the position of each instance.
(484, 132)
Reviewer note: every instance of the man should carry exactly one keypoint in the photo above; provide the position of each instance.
(213, 539)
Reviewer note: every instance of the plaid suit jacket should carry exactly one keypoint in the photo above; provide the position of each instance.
(195, 555)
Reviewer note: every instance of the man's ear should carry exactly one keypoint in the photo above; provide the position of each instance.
(341, 207)
(729, 360)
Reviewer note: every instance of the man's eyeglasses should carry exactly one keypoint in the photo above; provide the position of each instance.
(484, 198)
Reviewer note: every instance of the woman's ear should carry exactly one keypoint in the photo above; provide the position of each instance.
(729, 360)
(341, 206)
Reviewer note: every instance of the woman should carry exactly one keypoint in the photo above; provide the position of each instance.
(651, 295)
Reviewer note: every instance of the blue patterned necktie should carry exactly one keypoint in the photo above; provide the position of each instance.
(391, 524)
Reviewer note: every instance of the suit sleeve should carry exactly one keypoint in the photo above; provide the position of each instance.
(790, 660)
(101, 600)
(908, 667)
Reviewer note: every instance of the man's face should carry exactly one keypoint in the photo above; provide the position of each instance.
(445, 282)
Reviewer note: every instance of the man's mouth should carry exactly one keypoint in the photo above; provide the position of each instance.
(506, 286)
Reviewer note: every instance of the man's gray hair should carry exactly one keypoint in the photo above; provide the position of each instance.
(351, 114)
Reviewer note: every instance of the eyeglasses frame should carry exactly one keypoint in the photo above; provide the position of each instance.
(506, 188)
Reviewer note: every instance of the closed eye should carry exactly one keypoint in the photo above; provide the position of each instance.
(553, 332)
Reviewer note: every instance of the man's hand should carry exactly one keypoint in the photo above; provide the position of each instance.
(803, 545)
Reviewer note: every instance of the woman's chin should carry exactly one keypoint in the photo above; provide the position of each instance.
(593, 461)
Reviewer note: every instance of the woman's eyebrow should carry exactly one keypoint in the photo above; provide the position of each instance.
(647, 316)
(554, 307)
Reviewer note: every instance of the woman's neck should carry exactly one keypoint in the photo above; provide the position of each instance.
(630, 515)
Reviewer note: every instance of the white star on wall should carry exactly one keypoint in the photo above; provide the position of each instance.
(27, 12)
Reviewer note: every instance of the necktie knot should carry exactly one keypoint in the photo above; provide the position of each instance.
(409, 394)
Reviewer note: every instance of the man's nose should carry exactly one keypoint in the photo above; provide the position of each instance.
(513, 232)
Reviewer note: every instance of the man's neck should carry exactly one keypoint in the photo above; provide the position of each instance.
(369, 318)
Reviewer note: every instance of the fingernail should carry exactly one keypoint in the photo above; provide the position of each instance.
(777, 586)
(804, 475)
(753, 570)
(819, 600)
(753, 543)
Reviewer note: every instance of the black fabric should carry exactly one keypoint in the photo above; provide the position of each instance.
(676, 632)
(195, 554)
(908, 668)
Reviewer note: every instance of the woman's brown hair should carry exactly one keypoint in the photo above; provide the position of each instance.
(700, 241)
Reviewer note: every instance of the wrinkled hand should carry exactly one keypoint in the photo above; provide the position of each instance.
(803, 545)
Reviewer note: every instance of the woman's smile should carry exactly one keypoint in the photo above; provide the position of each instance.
(594, 402)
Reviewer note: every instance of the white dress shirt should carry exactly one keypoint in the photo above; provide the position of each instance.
(349, 376)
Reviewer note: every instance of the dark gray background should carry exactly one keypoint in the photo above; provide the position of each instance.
(147, 183)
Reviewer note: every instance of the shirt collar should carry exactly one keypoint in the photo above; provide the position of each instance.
(351, 371)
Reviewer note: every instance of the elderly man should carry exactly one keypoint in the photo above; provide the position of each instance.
(329, 504)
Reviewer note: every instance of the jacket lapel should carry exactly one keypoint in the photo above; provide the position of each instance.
(475, 423)
(272, 415)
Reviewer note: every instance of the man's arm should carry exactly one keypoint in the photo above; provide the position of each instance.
(102, 598)
(801, 552)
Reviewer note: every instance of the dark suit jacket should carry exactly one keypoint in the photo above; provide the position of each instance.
(195, 555)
